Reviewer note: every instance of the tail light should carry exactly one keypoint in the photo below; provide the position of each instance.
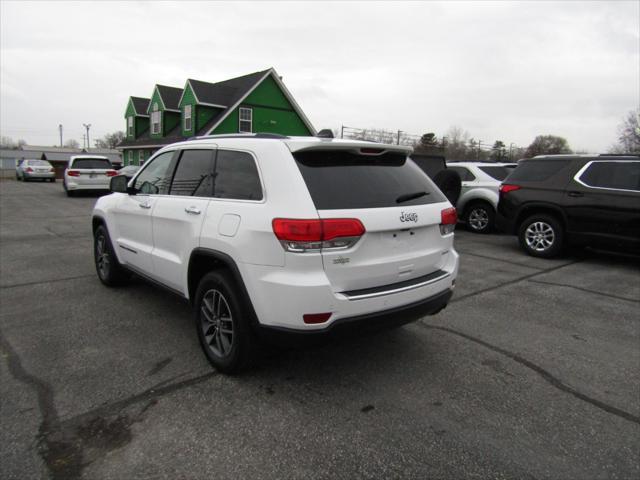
(111, 173)
(73, 173)
(297, 235)
(29, 170)
(448, 220)
(506, 188)
(315, 317)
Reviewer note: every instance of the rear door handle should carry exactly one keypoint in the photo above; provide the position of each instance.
(576, 194)
(193, 210)
(144, 205)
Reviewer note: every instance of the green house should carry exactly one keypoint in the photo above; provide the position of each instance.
(254, 103)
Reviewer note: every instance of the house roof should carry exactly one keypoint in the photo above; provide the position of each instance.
(140, 105)
(170, 96)
(225, 93)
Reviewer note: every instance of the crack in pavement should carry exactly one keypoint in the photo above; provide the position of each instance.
(68, 446)
(610, 295)
(44, 282)
(547, 376)
(511, 282)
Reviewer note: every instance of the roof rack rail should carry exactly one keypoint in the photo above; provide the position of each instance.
(272, 136)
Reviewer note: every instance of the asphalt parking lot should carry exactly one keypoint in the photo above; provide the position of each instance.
(533, 371)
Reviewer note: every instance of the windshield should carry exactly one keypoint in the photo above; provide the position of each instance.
(38, 163)
(338, 179)
(100, 163)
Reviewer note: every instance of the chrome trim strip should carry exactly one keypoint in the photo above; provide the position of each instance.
(396, 290)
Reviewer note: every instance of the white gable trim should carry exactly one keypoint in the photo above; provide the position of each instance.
(151, 99)
(286, 92)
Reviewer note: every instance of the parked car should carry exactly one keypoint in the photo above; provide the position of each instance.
(479, 193)
(129, 170)
(280, 238)
(35, 170)
(87, 173)
(589, 200)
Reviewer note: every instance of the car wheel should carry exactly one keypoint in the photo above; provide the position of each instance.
(222, 323)
(479, 217)
(109, 270)
(52, 180)
(541, 236)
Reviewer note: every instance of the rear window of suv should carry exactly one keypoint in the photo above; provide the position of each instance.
(339, 179)
(537, 170)
(83, 163)
(498, 172)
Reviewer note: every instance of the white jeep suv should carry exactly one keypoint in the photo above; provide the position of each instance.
(281, 238)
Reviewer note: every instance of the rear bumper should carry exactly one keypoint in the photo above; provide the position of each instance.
(357, 325)
(39, 175)
(71, 185)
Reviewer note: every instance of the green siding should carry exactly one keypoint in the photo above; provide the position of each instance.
(204, 114)
(130, 111)
(140, 126)
(268, 94)
(267, 120)
(272, 113)
(188, 97)
(169, 121)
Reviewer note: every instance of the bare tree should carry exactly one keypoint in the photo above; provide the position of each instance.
(547, 145)
(9, 143)
(71, 143)
(110, 140)
(628, 135)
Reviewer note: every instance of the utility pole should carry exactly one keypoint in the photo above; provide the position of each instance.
(84, 140)
(510, 151)
(341, 131)
(87, 126)
(399, 132)
(478, 153)
(60, 128)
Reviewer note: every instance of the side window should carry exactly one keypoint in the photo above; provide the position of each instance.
(613, 175)
(236, 176)
(156, 175)
(465, 174)
(194, 174)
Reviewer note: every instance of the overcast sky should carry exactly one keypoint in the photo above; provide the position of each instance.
(505, 70)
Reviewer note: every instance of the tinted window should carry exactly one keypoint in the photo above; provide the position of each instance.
(236, 176)
(429, 164)
(194, 174)
(156, 176)
(620, 175)
(338, 179)
(537, 170)
(39, 163)
(465, 174)
(101, 163)
(497, 172)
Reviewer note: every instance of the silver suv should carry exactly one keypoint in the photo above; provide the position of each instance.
(478, 201)
(281, 238)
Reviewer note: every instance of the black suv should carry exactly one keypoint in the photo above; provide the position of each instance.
(555, 200)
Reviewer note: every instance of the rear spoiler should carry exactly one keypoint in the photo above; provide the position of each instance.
(357, 147)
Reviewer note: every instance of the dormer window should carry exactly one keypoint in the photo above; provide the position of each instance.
(155, 119)
(130, 126)
(187, 117)
(246, 117)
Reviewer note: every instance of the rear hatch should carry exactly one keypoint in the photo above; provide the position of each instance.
(398, 205)
(93, 171)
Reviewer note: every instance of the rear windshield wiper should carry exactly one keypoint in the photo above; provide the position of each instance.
(410, 196)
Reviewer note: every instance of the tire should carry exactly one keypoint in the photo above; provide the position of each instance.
(541, 236)
(223, 323)
(52, 180)
(70, 193)
(479, 217)
(450, 184)
(109, 270)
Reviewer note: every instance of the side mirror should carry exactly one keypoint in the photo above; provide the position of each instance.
(118, 184)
